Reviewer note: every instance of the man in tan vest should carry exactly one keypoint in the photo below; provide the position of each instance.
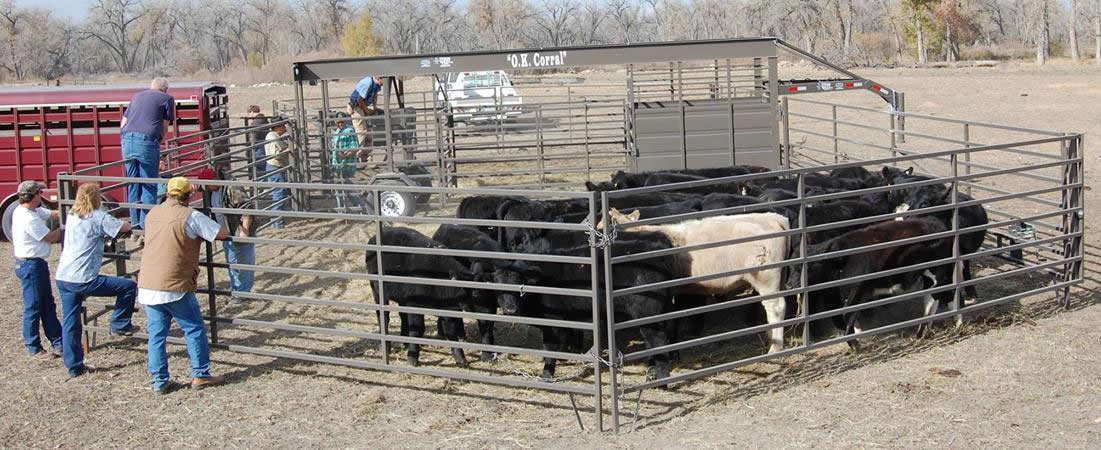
(166, 283)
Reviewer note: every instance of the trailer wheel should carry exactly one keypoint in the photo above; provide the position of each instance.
(9, 210)
(394, 203)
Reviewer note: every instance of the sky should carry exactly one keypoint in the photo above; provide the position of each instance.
(77, 10)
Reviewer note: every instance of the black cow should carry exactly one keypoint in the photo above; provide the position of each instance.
(628, 307)
(869, 262)
(662, 178)
(418, 295)
(464, 237)
(483, 207)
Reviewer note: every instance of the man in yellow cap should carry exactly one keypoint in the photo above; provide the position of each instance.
(166, 283)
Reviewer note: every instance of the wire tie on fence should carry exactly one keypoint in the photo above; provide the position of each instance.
(522, 290)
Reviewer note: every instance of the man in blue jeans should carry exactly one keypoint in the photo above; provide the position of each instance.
(78, 274)
(277, 149)
(167, 282)
(143, 126)
(31, 239)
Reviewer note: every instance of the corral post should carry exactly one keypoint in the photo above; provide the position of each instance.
(900, 112)
(785, 108)
(1072, 222)
(387, 120)
(539, 145)
(302, 140)
(773, 94)
(628, 121)
(595, 275)
(683, 137)
(588, 151)
(326, 158)
(891, 128)
(613, 372)
(209, 259)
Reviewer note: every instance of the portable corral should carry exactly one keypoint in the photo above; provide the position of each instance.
(728, 105)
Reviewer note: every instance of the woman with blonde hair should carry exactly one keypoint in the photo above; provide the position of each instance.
(86, 227)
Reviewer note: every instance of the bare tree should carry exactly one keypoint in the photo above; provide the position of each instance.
(262, 22)
(1072, 27)
(1043, 32)
(112, 24)
(628, 16)
(556, 21)
(591, 24)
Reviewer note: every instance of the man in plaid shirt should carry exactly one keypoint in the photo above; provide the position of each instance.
(345, 146)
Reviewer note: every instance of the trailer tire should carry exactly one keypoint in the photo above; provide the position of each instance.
(9, 210)
(393, 203)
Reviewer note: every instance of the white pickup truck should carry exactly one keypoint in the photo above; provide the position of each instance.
(479, 96)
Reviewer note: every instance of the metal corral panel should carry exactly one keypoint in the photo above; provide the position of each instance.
(697, 134)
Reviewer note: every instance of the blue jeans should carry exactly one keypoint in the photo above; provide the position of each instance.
(142, 155)
(240, 253)
(277, 194)
(72, 297)
(38, 304)
(187, 314)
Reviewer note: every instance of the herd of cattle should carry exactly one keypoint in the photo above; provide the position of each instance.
(745, 209)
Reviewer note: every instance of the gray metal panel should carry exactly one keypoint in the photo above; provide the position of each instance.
(355, 68)
(706, 139)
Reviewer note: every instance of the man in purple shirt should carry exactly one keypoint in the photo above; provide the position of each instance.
(143, 126)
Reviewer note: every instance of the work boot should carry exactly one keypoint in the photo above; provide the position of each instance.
(168, 388)
(202, 383)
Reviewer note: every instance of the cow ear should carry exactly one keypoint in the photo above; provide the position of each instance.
(909, 171)
(634, 216)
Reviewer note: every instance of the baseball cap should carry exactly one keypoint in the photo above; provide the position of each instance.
(30, 187)
(179, 185)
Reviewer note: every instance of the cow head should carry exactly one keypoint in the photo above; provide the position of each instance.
(511, 302)
(891, 173)
(599, 187)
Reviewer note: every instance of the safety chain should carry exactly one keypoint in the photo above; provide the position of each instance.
(523, 373)
(594, 354)
(599, 239)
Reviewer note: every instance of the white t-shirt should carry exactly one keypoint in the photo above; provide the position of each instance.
(197, 226)
(28, 227)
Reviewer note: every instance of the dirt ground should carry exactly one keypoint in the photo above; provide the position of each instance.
(1026, 376)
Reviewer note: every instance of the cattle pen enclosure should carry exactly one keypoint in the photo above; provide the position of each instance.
(317, 305)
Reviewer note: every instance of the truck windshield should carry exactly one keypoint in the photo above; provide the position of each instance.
(482, 80)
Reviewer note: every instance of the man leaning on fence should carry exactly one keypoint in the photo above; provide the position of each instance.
(239, 225)
(344, 164)
(256, 140)
(167, 282)
(143, 125)
(30, 241)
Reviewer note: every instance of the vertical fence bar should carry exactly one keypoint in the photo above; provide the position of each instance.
(383, 316)
(804, 298)
(891, 118)
(609, 306)
(588, 150)
(541, 161)
(900, 110)
(836, 153)
(773, 95)
(209, 259)
(967, 156)
(957, 265)
(595, 286)
(683, 137)
(786, 117)
(388, 123)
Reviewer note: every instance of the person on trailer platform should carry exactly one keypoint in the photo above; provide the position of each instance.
(143, 126)
(31, 239)
(87, 225)
(362, 103)
(166, 284)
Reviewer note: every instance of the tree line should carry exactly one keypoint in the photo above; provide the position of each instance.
(180, 37)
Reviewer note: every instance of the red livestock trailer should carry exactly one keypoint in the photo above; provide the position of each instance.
(48, 130)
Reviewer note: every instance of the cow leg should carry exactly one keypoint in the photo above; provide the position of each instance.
(451, 328)
(930, 302)
(552, 341)
(413, 326)
(970, 290)
(485, 333)
(660, 366)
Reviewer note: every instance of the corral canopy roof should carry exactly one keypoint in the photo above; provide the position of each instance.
(534, 58)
